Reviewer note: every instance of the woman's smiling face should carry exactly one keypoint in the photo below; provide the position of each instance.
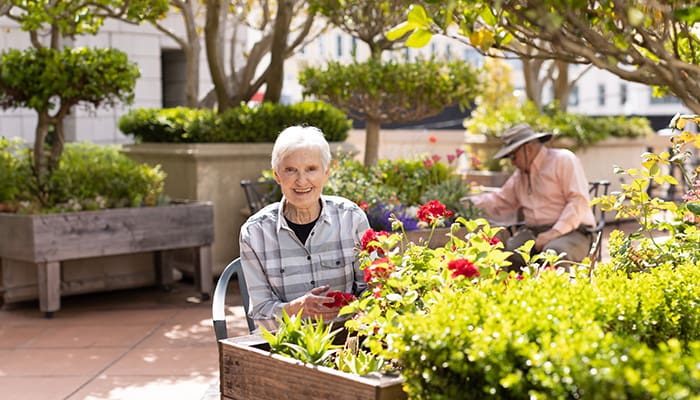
(301, 176)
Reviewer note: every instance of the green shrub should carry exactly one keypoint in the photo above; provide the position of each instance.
(243, 124)
(555, 338)
(88, 177)
(584, 130)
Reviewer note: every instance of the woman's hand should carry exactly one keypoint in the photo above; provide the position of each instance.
(546, 237)
(312, 306)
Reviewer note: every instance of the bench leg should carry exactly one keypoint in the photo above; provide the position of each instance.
(164, 271)
(203, 278)
(49, 276)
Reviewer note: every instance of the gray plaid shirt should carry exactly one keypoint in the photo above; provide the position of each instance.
(279, 268)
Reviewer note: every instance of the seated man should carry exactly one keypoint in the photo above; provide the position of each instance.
(550, 187)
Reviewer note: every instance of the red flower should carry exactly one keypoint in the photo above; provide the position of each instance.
(427, 163)
(432, 139)
(432, 211)
(379, 270)
(492, 240)
(435, 158)
(340, 299)
(369, 236)
(462, 267)
(363, 205)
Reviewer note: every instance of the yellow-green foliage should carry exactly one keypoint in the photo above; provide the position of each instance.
(551, 337)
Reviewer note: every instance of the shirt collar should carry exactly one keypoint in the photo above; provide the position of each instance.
(282, 222)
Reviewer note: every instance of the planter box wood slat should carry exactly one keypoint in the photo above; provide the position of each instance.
(46, 241)
(248, 372)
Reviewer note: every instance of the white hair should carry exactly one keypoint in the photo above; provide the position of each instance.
(300, 137)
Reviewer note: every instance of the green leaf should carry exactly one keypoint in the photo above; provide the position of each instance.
(694, 208)
(400, 30)
(419, 38)
(417, 16)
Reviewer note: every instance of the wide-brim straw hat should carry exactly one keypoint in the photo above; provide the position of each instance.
(517, 136)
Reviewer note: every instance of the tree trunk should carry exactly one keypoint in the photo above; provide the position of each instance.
(533, 87)
(211, 39)
(372, 141)
(274, 77)
(562, 86)
(192, 53)
(42, 130)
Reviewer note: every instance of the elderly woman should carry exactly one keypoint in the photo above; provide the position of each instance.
(293, 252)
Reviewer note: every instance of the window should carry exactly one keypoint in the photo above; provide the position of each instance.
(448, 52)
(623, 94)
(172, 70)
(433, 49)
(601, 95)
(573, 96)
(354, 46)
(339, 43)
(407, 53)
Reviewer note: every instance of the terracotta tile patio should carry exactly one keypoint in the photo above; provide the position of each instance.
(129, 344)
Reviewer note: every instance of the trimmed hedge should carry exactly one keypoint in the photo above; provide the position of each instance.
(552, 338)
(244, 124)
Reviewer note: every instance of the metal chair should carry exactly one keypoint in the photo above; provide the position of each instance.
(260, 193)
(218, 305)
(596, 189)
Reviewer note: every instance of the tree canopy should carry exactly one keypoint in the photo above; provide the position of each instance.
(654, 42)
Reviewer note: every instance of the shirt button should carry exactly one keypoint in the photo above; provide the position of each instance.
(308, 257)
(312, 233)
(282, 270)
(313, 282)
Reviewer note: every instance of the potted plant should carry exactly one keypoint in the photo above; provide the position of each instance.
(52, 80)
(442, 317)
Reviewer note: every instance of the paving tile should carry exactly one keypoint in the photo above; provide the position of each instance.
(174, 387)
(16, 336)
(189, 361)
(40, 388)
(56, 362)
(181, 334)
(81, 336)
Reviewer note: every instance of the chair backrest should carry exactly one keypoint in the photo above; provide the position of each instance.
(260, 193)
(596, 189)
(218, 305)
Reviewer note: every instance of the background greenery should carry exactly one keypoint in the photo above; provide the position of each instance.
(243, 124)
(88, 177)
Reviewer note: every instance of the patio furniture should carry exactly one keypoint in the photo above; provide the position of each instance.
(218, 305)
(260, 193)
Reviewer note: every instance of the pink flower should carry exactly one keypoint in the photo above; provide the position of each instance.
(450, 158)
(427, 163)
(380, 269)
(463, 267)
(340, 299)
(459, 152)
(492, 240)
(435, 158)
(369, 236)
(432, 211)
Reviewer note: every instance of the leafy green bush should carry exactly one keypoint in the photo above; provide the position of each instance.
(552, 338)
(584, 130)
(88, 177)
(398, 187)
(261, 123)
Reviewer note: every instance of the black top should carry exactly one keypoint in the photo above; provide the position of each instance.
(302, 230)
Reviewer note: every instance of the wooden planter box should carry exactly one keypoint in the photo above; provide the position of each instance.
(249, 372)
(45, 242)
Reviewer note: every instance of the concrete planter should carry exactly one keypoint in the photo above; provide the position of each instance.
(211, 172)
(51, 255)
